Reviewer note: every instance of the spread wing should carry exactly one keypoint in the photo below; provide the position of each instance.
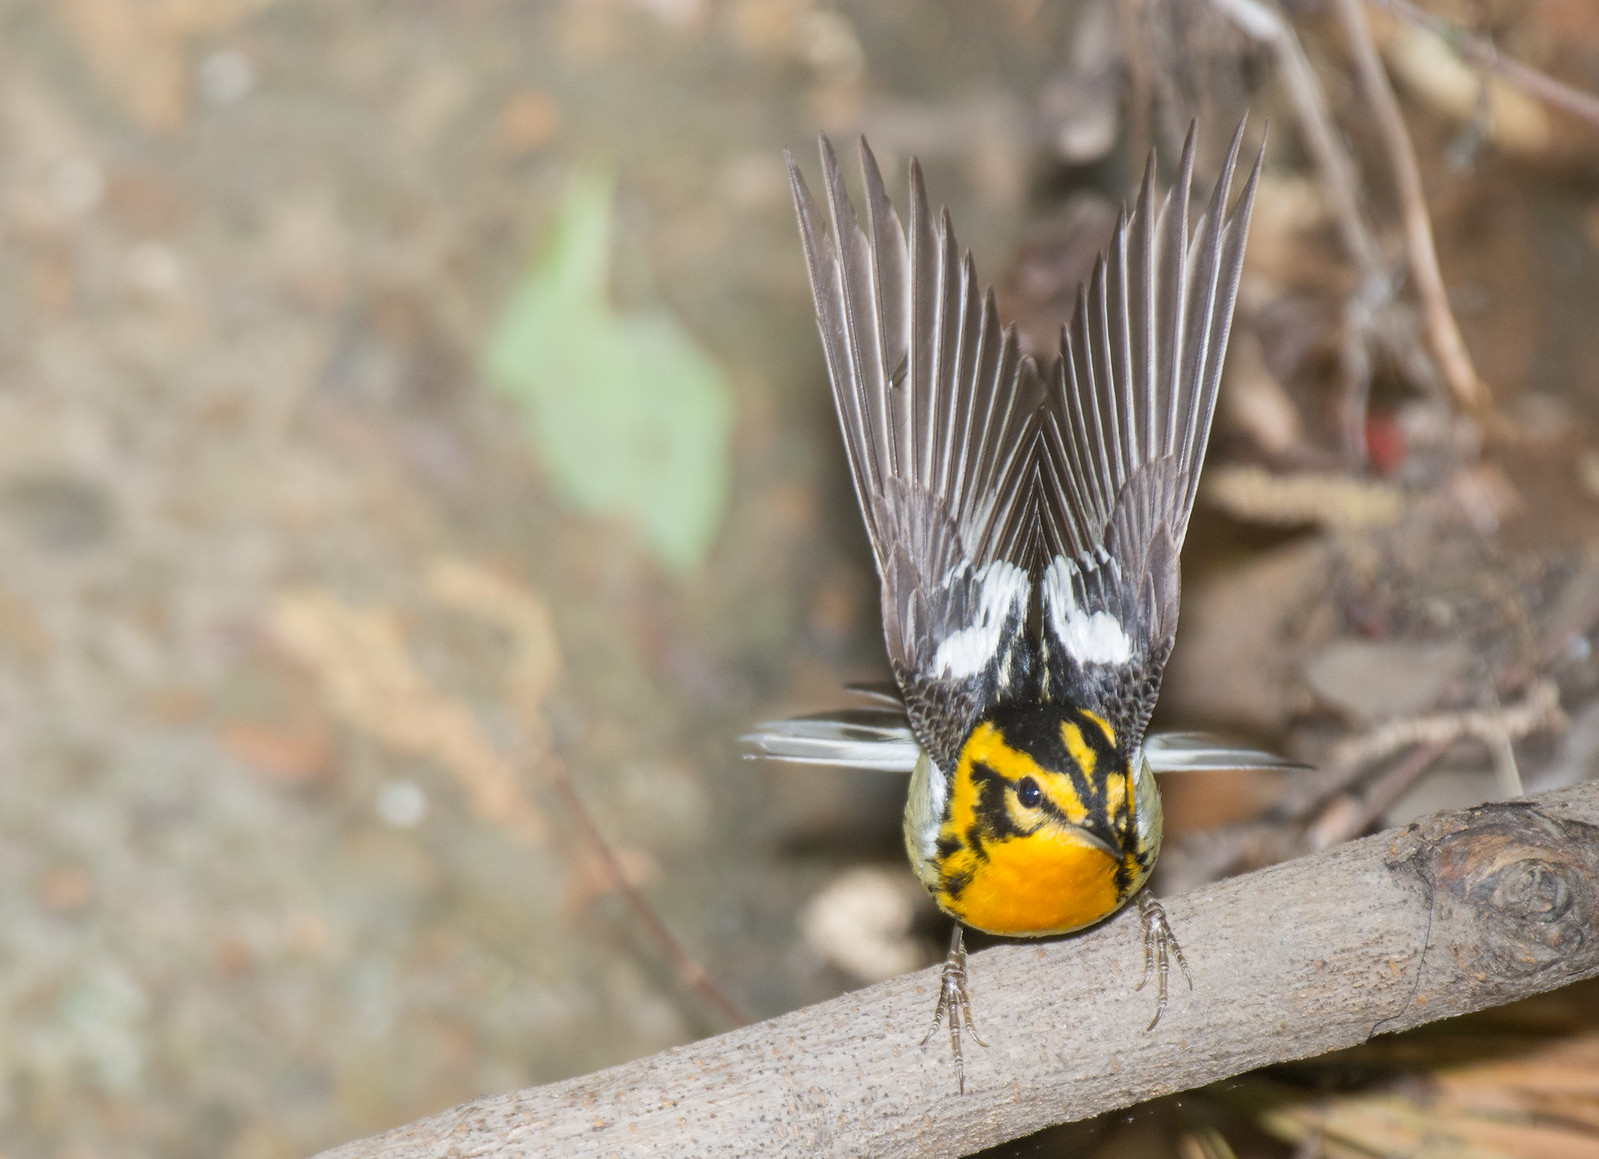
(1198, 752)
(875, 738)
(940, 416)
(1126, 420)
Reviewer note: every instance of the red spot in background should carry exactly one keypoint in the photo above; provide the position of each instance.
(1385, 443)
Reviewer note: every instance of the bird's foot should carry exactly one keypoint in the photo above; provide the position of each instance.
(954, 1001)
(1160, 947)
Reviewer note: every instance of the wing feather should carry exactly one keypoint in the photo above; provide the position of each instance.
(1197, 752)
(863, 738)
(940, 413)
(1126, 423)
(989, 487)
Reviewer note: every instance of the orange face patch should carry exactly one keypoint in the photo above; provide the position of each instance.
(987, 753)
(1030, 846)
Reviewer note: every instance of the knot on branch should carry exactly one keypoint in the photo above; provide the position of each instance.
(1514, 892)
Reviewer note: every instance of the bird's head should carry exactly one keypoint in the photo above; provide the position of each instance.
(1038, 836)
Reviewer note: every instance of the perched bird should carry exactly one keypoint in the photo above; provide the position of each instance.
(1026, 521)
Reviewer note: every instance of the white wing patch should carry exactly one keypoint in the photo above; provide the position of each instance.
(1002, 588)
(1089, 637)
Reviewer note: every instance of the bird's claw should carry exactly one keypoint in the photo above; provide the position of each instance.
(1160, 947)
(954, 1001)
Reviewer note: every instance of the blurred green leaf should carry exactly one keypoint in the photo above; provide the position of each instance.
(629, 414)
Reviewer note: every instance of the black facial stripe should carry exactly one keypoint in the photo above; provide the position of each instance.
(1124, 869)
(1036, 730)
(1122, 819)
(991, 809)
(955, 882)
(974, 840)
(1109, 763)
(1048, 806)
(1093, 732)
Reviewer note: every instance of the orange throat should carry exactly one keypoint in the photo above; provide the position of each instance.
(1032, 887)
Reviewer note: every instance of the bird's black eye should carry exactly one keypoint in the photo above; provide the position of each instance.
(1028, 792)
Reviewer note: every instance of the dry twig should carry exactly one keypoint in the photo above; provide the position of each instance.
(1262, 21)
(1338, 501)
(1349, 815)
(1538, 709)
(1442, 329)
(1482, 53)
(1258, 19)
(1325, 809)
(1341, 814)
(533, 670)
(689, 971)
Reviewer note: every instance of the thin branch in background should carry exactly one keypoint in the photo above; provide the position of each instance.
(1539, 709)
(1349, 815)
(1361, 310)
(1327, 808)
(1481, 52)
(1262, 22)
(689, 971)
(1442, 329)
(531, 674)
(1327, 803)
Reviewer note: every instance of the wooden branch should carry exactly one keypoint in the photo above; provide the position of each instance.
(1455, 913)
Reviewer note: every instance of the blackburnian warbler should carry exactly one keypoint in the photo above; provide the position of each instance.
(1026, 521)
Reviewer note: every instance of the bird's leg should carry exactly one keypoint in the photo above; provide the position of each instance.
(1160, 946)
(956, 1002)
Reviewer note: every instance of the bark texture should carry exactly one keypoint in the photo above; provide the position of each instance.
(1458, 912)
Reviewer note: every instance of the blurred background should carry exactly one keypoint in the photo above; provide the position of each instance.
(412, 424)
